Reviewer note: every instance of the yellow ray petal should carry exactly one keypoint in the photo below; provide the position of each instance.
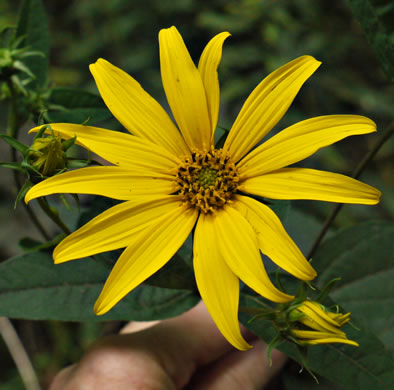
(184, 90)
(208, 65)
(313, 337)
(313, 325)
(267, 104)
(313, 309)
(135, 109)
(238, 246)
(147, 252)
(332, 340)
(113, 182)
(118, 148)
(115, 228)
(339, 318)
(273, 239)
(302, 140)
(328, 327)
(313, 334)
(217, 284)
(303, 183)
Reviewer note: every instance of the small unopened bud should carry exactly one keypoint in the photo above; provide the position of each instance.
(47, 155)
(312, 323)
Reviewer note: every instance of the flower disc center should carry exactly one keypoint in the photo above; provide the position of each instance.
(207, 177)
(207, 180)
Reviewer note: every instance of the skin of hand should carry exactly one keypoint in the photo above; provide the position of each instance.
(186, 352)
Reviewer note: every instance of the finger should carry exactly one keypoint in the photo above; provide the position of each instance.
(241, 370)
(164, 356)
(182, 344)
(63, 378)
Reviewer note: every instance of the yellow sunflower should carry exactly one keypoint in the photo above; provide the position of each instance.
(173, 180)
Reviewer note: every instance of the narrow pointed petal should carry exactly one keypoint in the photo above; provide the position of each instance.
(113, 182)
(313, 325)
(315, 311)
(340, 319)
(321, 322)
(118, 148)
(267, 104)
(208, 65)
(331, 340)
(147, 252)
(301, 140)
(303, 183)
(184, 90)
(239, 247)
(135, 109)
(273, 239)
(313, 337)
(115, 228)
(217, 284)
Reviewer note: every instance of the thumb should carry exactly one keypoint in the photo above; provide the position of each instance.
(249, 370)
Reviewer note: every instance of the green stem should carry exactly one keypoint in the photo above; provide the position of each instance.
(356, 174)
(12, 131)
(30, 212)
(52, 215)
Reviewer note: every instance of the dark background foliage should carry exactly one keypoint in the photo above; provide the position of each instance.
(265, 35)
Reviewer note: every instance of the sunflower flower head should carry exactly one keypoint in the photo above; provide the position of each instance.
(174, 181)
(312, 323)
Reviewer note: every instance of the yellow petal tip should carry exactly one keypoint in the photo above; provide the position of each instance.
(310, 275)
(58, 261)
(285, 298)
(97, 61)
(59, 256)
(100, 309)
(27, 198)
(30, 195)
(244, 346)
(97, 310)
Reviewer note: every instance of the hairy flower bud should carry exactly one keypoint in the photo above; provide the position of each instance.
(47, 155)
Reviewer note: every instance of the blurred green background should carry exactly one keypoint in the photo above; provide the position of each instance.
(265, 35)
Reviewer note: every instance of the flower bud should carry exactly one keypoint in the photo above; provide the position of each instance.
(47, 155)
(313, 323)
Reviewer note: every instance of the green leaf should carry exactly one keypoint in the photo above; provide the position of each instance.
(175, 274)
(12, 165)
(14, 143)
(32, 287)
(22, 192)
(23, 68)
(96, 206)
(76, 106)
(293, 379)
(376, 18)
(369, 366)
(362, 256)
(75, 163)
(30, 245)
(305, 236)
(33, 26)
(281, 208)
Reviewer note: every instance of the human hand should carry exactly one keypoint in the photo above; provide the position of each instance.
(183, 352)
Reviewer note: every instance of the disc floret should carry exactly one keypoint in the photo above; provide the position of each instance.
(207, 180)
